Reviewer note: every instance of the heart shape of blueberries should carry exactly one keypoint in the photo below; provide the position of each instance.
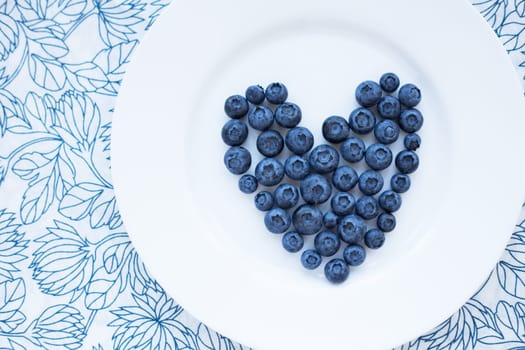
(317, 191)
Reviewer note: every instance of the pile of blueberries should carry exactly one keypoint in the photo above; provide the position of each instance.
(317, 199)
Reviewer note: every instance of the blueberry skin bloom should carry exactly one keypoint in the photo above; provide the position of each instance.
(378, 156)
(400, 183)
(353, 150)
(248, 183)
(343, 203)
(344, 178)
(236, 106)
(255, 94)
(336, 271)
(288, 115)
(330, 219)
(386, 131)
(277, 220)
(386, 222)
(389, 82)
(299, 140)
(237, 160)
(361, 121)
(327, 243)
(412, 142)
(354, 255)
(374, 238)
(311, 259)
(286, 196)
(324, 159)
(270, 143)
(389, 107)
(260, 118)
(335, 129)
(407, 162)
(234, 132)
(409, 95)
(292, 242)
(269, 172)
(370, 182)
(264, 201)
(368, 93)
(296, 167)
(307, 219)
(351, 229)
(390, 201)
(411, 120)
(367, 208)
(315, 189)
(276, 93)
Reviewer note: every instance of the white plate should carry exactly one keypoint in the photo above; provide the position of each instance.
(207, 245)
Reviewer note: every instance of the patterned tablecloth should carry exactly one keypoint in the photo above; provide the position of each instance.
(69, 276)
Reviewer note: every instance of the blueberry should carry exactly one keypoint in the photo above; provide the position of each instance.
(370, 182)
(299, 140)
(277, 220)
(248, 183)
(352, 229)
(386, 222)
(296, 167)
(234, 132)
(374, 238)
(315, 189)
(260, 118)
(336, 271)
(286, 196)
(269, 172)
(288, 115)
(255, 94)
(237, 160)
(400, 183)
(407, 162)
(335, 129)
(327, 243)
(378, 156)
(270, 143)
(343, 203)
(292, 242)
(236, 106)
(368, 93)
(324, 159)
(276, 93)
(330, 219)
(389, 107)
(264, 201)
(353, 149)
(311, 259)
(307, 219)
(411, 120)
(362, 121)
(412, 142)
(386, 131)
(390, 201)
(354, 255)
(344, 178)
(409, 95)
(367, 208)
(389, 82)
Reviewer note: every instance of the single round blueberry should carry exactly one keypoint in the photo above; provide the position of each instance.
(378, 156)
(354, 255)
(234, 132)
(315, 189)
(389, 107)
(255, 94)
(343, 203)
(353, 149)
(361, 121)
(386, 131)
(324, 159)
(264, 201)
(407, 162)
(368, 93)
(260, 118)
(286, 196)
(307, 219)
(296, 167)
(330, 219)
(248, 183)
(374, 238)
(370, 182)
(237, 160)
(336, 271)
(311, 259)
(386, 222)
(351, 229)
(411, 120)
(367, 208)
(335, 129)
(269, 172)
(236, 106)
(389, 82)
(389, 201)
(276, 93)
(409, 95)
(270, 143)
(288, 115)
(299, 140)
(412, 142)
(292, 241)
(400, 183)
(277, 220)
(344, 178)
(327, 243)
